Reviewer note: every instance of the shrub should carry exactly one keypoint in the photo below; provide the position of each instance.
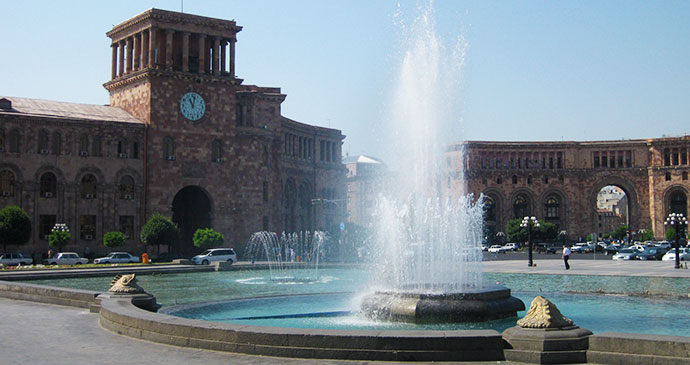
(59, 236)
(15, 226)
(207, 238)
(160, 230)
(114, 239)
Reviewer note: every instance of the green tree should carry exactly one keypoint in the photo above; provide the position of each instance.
(160, 230)
(59, 236)
(620, 232)
(547, 231)
(646, 235)
(114, 239)
(15, 226)
(208, 238)
(514, 232)
(671, 234)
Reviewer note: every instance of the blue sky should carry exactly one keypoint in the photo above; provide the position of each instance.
(533, 70)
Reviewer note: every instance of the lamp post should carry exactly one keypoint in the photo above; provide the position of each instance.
(678, 222)
(529, 223)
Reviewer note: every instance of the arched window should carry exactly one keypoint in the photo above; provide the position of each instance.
(678, 203)
(126, 187)
(520, 206)
(514, 179)
(56, 145)
(134, 153)
(48, 185)
(489, 209)
(15, 139)
(168, 148)
(88, 186)
(6, 183)
(529, 180)
(217, 151)
(552, 208)
(43, 139)
(84, 145)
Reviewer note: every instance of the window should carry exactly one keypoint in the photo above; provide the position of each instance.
(56, 146)
(134, 153)
(216, 151)
(168, 148)
(545, 179)
(561, 179)
(514, 179)
(499, 180)
(667, 157)
(265, 191)
(552, 208)
(604, 160)
(48, 185)
(520, 206)
(596, 160)
(127, 226)
(95, 147)
(529, 180)
(6, 183)
(668, 176)
(121, 149)
(42, 142)
(2, 139)
(620, 159)
(15, 141)
(559, 160)
(683, 154)
(88, 187)
(83, 145)
(484, 180)
(685, 175)
(613, 160)
(45, 226)
(264, 223)
(87, 227)
(675, 156)
(126, 187)
(628, 158)
(489, 209)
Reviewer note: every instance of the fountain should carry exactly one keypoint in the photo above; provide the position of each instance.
(292, 257)
(427, 247)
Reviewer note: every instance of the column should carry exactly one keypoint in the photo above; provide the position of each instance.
(128, 58)
(113, 72)
(153, 47)
(121, 64)
(232, 57)
(185, 51)
(168, 49)
(137, 51)
(202, 54)
(223, 56)
(216, 55)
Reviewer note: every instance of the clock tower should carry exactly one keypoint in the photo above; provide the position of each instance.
(212, 148)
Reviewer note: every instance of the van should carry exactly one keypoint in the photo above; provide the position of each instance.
(215, 255)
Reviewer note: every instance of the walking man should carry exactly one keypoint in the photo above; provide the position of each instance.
(566, 256)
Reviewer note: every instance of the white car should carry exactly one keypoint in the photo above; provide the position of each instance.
(14, 259)
(579, 247)
(67, 258)
(117, 258)
(510, 246)
(626, 254)
(215, 255)
(684, 255)
(497, 249)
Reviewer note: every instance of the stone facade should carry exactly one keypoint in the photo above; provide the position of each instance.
(366, 179)
(237, 165)
(559, 181)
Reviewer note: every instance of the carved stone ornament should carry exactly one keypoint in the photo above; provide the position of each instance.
(544, 314)
(125, 284)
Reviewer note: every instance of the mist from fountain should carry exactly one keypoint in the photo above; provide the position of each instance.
(291, 257)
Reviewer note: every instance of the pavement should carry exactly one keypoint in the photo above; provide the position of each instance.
(51, 334)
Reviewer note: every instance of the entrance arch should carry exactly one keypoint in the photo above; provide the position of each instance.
(191, 210)
(631, 209)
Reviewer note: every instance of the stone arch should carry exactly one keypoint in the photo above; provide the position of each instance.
(14, 169)
(530, 201)
(128, 171)
(563, 207)
(630, 192)
(671, 194)
(50, 168)
(192, 208)
(499, 207)
(90, 170)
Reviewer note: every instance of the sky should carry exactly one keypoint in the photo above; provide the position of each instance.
(530, 71)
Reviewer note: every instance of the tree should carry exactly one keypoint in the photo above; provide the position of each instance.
(547, 231)
(671, 234)
(59, 236)
(15, 226)
(208, 238)
(160, 230)
(620, 232)
(514, 232)
(114, 239)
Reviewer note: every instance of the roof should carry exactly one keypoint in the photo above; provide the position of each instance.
(58, 109)
(361, 159)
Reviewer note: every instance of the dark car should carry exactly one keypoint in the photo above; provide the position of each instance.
(544, 248)
(612, 249)
(651, 253)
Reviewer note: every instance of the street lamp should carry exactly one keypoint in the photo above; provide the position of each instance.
(678, 222)
(529, 223)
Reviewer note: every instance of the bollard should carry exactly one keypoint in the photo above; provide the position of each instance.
(144, 258)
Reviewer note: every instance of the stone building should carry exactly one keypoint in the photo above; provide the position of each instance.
(366, 179)
(560, 181)
(182, 136)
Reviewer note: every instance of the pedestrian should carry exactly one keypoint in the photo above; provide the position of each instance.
(566, 256)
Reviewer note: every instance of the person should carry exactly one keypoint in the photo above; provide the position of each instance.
(566, 256)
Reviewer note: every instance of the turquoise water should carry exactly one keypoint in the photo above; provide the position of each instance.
(665, 311)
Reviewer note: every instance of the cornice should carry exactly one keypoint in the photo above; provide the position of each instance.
(148, 73)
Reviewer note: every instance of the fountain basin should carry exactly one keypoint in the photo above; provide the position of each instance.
(470, 305)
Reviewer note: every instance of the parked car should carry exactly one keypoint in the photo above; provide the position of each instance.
(511, 246)
(117, 258)
(14, 259)
(626, 254)
(578, 247)
(215, 255)
(545, 248)
(651, 253)
(684, 255)
(67, 258)
(612, 249)
(497, 249)
(485, 248)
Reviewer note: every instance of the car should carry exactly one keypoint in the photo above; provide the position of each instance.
(117, 258)
(544, 248)
(626, 254)
(684, 255)
(578, 247)
(612, 249)
(215, 255)
(511, 246)
(651, 253)
(497, 249)
(67, 258)
(15, 259)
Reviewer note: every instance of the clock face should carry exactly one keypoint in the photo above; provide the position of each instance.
(192, 106)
